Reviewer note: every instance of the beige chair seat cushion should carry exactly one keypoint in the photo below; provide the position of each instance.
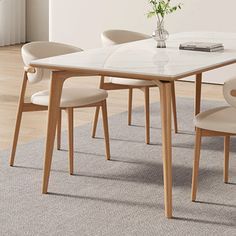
(132, 82)
(221, 119)
(72, 97)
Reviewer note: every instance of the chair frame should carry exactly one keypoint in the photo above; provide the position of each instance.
(197, 150)
(29, 107)
(146, 90)
(198, 140)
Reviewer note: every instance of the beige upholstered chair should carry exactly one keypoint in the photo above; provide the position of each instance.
(220, 121)
(113, 37)
(71, 97)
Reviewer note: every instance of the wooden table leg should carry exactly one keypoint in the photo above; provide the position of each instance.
(165, 100)
(53, 113)
(198, 89)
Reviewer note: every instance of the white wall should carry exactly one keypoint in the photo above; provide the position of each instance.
(80, 22)
(37, 24)
(207, 15)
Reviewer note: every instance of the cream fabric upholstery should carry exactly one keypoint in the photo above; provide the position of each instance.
(228, 87)
(113, 37)
(41, 49)
(221, 119)
(72, 97)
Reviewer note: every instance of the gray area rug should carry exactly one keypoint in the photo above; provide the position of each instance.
(123, 196)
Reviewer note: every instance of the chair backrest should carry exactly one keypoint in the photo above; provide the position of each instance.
(112, 37)
(42, 49)
(229, 91)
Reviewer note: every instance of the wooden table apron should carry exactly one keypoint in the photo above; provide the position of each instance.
(57, 81)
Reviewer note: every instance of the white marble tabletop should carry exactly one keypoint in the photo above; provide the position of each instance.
(143, 60)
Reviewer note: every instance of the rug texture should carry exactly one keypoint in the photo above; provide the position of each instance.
(123, 196)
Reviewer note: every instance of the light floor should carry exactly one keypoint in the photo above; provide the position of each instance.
(34, 123)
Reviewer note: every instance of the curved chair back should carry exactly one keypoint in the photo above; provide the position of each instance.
(229, 91)
(39, 50)
(112, 37)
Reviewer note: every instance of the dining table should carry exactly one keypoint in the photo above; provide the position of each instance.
(139, 60)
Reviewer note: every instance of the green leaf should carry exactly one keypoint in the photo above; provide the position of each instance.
(160, 8)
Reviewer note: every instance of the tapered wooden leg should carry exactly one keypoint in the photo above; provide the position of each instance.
(226, 158)
(147, 114)
(174, 110)
(70, 114)
(53, 111)
(59, 130)
(196, 163)
(198, 90)
(130, 103)
(96, 115)
(105, 128)
(165, 99)
(95, 121)
(18, 119)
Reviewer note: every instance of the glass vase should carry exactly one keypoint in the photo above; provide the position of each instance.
(160, 35)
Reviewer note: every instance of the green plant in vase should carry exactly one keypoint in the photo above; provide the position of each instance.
(159, 9)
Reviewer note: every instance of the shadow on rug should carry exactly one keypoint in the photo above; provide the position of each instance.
(123, 196)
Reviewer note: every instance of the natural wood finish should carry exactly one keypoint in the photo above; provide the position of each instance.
(199, 134)
(196, 163)
(233, 93)
(18, 119)
(174, 109)
(198, 91)
(130, 103)
(211, 133)
(96, 115)
(165, 101)
(28, 107)
(111, 86)
(10, 78)
(105, 128)
(53, 111)
(70, 114)
(95, 121)
(57, 82)
(59, 130)
(22, 107)
(147, 113)
(226, 158)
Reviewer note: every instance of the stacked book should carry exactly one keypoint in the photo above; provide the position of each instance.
(201, 46)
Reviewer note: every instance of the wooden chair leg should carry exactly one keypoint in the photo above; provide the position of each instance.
(71, 138)
(174, 110)
(226, 158)
(198, 89)
(95, 121)
(147, 113)
(18, 119)
(105, 128)
(196, 163)
(130, 103)
(59, 130)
